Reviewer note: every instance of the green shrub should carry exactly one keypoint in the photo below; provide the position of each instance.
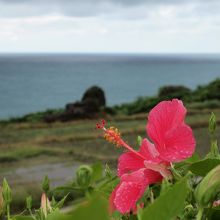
(169, 92)
(207, 92)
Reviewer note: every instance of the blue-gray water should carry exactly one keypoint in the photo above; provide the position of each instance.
(30, 83)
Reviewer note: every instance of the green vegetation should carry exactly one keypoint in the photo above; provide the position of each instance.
(203, 97)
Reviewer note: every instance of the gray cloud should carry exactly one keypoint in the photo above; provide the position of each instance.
(86, 8)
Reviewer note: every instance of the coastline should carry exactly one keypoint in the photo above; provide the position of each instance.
(203, 97)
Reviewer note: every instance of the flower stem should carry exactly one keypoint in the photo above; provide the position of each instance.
(8, 212)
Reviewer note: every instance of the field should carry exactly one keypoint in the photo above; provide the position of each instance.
(31, 150)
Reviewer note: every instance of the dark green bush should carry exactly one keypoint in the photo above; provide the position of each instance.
(207, 92)
(169, 92)
(141, 104)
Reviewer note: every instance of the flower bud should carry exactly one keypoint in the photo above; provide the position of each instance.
(208, 188)
(84, 176)
(29, 202)
(190, 212)
(45, 205)
(212, 124)
(214, 149)
(139, 140)
(6, 193)
(46, 184)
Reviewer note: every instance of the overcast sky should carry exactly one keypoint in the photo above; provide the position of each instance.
(145, 26)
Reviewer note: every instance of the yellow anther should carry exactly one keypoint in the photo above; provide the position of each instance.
(112, 135)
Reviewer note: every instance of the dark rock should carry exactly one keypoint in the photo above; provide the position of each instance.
(95, 93)
(92, 102)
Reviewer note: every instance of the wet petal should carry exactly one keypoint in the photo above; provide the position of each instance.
(149, 151)
(129, 162)
(163, 117)
(127, 195)
(131, 189)
(173, 139)
(180, 144)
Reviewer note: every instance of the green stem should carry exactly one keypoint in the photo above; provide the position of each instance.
(200, 214)
(31, 213)
(151, 196)
(8, 212)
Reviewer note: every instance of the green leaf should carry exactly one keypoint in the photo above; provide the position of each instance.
(46, 184)
(61, 202)
(186, 163)
(22, 218)
(96, 209)
(168, 205)
(56, 215)
(207, 190)
(97, 173)
(108, 186)
(202, 167)
(194, 158)
(214, 214)
(67, 189)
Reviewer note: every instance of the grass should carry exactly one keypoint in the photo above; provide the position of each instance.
(79, 140)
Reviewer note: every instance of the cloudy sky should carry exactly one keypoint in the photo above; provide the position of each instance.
(145, 26)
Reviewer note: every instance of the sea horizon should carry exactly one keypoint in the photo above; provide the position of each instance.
(31, 82)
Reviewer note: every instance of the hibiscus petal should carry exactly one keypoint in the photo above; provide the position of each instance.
(148, 150)
(127, 195)
(180, 144)
(164, 117)
(129, 162)
(131, 188)
(174, 139)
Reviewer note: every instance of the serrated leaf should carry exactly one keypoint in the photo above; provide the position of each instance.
(202, 167)
(168, 205)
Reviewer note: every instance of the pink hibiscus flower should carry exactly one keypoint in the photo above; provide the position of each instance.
(173, 142)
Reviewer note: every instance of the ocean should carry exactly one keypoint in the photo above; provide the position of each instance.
(36, 82)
